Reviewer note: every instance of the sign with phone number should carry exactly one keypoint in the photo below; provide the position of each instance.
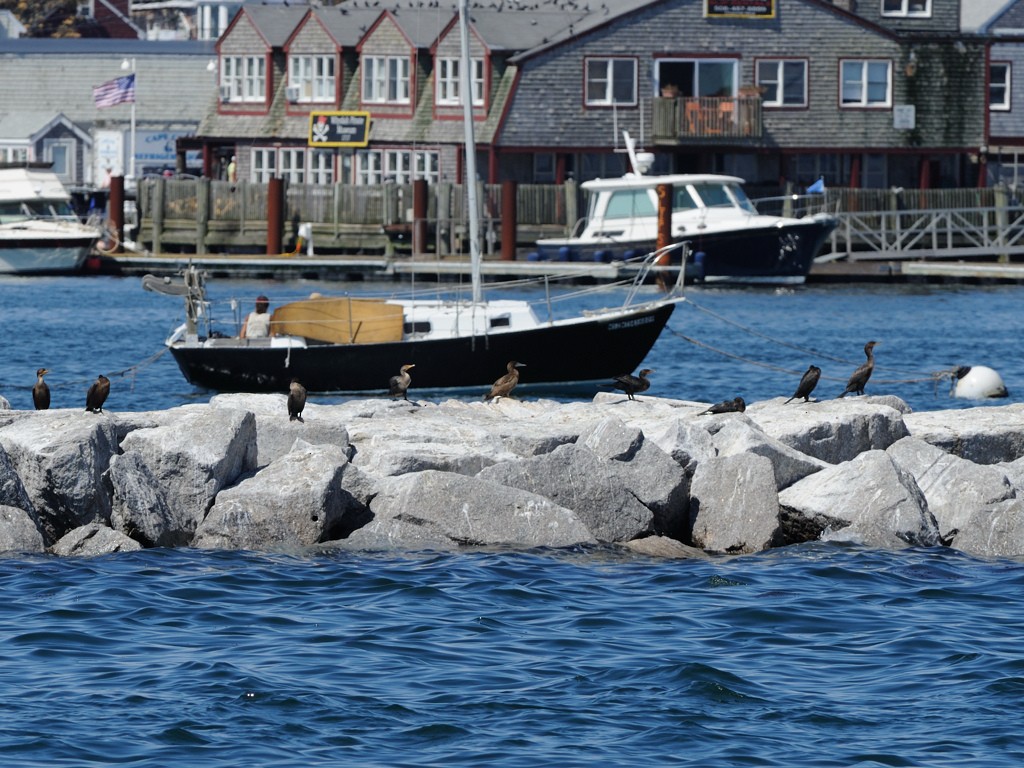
(757, 9)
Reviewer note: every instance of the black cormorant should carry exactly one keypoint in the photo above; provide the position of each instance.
(504, 386)
(631, 384)
(860, 377)
(399, 385)
(296, 400)
(41, 392)
(736, 405)
(807, 384)
(97, 394)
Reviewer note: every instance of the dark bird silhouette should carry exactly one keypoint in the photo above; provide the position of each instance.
(97, 394)
(860, 377)
(736, 405)
(504, 386)
(807, 384)
(633, 385)
(41, 392)
(399, 385)
(296, 400)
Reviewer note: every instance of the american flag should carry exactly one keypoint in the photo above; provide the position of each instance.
(117, 91)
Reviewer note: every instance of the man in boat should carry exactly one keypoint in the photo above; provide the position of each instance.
(257, 324)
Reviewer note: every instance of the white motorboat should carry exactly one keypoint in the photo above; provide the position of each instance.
(39, 231)
(728, 239)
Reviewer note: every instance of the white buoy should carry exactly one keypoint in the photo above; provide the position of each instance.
(977, 382)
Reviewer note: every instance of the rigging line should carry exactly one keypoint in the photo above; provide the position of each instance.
(935, 377)
(787, 344)
(129, 371)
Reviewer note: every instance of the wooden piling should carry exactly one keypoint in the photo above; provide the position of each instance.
(509, 221)
(116, 210)
(275, 216)
(420, 199)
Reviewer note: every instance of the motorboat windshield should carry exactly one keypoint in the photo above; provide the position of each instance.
(21, 210)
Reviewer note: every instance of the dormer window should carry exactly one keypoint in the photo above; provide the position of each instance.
(907, 8)
(386, 79)
(311, 78)
(243, 78)
(449, 82)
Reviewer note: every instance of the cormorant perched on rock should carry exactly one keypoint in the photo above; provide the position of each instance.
(807, 384)
(736, 405)
(504, 386)
(296, 400)
(631, 384)
(860, 377)
(41, 392)
(399, 385)
(97, 394)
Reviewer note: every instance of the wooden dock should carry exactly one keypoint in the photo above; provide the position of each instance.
(457, 269)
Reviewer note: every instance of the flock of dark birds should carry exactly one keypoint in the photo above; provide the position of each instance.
(399, 385)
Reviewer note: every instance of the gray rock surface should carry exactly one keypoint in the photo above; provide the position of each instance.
(734, 506)
(738, 436)
(995, 531)
(19, 531)
(984, 435)
(91, 540)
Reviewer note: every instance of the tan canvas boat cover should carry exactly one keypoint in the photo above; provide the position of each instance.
(339, 320)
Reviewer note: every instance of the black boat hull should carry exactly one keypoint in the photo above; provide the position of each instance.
(768, 253)
(596, 348)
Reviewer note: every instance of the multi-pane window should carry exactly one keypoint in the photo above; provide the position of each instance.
(921, 8)
(866, 83)
(312, 78)
(783, 82)
(610, 81)
(449, 81)
(243, 78)
(401, 166)
(999, 86)
(296, 164)
(386, 79)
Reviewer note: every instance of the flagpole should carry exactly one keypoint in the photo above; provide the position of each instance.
(130, 64)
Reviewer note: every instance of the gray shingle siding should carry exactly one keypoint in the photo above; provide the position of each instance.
(945, 18)
(1003, 125)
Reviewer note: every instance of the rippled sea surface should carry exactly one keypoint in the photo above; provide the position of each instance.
(816, 655)
(811, 656)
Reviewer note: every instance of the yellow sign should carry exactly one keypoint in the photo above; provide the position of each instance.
(339, 129)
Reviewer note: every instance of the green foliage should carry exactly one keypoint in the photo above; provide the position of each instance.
(45, 18)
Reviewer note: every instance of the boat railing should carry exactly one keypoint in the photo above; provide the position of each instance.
(792, 206)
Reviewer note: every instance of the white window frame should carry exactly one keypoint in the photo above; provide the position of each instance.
(291, 163)
(778, 82)
(321, 166)
(907, 9)
(264, 164)
(601, 76)
(313, 76)
(855, 75)
(449, 82)
(1002, 105)
(386, 79)
(399, 166)
(243, 78)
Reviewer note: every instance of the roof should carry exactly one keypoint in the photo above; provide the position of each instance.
(275, 22)
(977, 15)
(96, 46)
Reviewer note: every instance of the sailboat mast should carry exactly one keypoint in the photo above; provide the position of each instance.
(472, 205)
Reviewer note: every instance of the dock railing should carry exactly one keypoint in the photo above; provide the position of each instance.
(204, 216)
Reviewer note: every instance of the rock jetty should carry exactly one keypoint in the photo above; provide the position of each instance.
(653, 475)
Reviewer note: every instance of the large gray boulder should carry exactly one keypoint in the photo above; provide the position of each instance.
(984, 435)
(91, 540)
(18, 531)
(833, 431)
(994, 531)
(953, 487)
(184, 464)
(60, 457)
(869, 500)
(734, 506)
(470, 511)
(276, 433)
(663, 546)
(295, 502)
(578, 479)
(739, 436)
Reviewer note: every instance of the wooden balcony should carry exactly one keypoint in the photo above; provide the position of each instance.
(707, 118)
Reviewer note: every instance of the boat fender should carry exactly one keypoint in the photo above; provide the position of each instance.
(976, 382)
(698, 264)
(602, 257)
(565, 253)
(534, 256)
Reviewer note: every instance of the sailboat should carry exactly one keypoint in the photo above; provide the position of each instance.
(357, 343)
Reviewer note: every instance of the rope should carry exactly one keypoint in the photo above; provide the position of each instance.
(813, 352)
(131, 371)
(933, 377)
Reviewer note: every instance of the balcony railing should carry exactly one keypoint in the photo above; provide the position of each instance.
(707, 117)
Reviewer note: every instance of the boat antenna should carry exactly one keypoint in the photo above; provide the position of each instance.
(466, 88)
(640, 161)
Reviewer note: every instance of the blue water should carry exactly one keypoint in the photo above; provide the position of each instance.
(816, 655)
